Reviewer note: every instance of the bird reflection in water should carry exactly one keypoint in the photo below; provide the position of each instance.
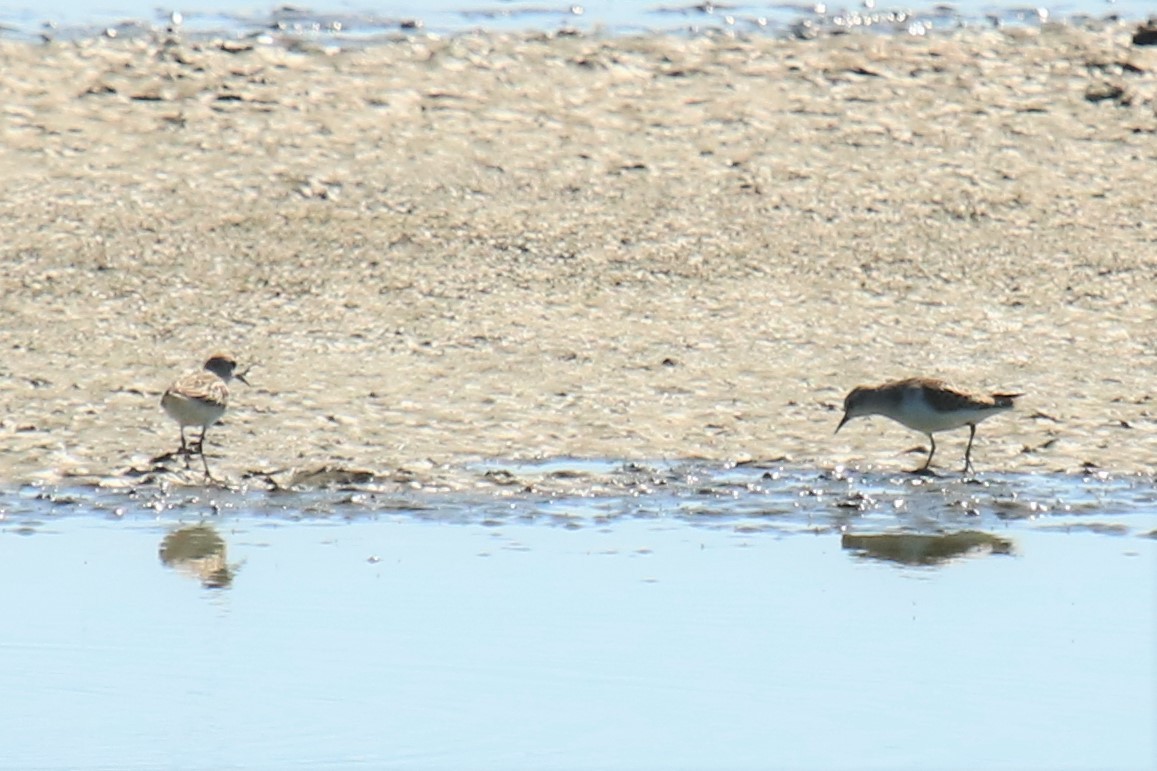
(924, 549)
(198, 551)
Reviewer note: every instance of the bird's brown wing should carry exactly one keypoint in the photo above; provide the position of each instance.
(944, 397)
(201, 386)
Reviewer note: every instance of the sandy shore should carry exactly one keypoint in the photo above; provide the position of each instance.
(434, 251)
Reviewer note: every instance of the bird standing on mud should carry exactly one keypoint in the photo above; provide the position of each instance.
(928, 406)
(200, 399)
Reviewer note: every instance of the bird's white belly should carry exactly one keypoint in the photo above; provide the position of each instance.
(915, 413)
(192, 412)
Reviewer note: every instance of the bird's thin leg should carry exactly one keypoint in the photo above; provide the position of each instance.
(968, 450)
(184, 447)
(931, 452)
(204, 460)
(199, 446)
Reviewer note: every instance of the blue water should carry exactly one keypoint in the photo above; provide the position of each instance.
(585, 614)
(346, 19)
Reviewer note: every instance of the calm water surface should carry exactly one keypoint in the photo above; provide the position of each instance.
(371, 19)
(694, 617)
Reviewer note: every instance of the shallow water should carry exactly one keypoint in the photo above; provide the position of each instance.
(341, 20)
(667, 614)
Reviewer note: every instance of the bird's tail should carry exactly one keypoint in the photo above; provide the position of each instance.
(1004, 400)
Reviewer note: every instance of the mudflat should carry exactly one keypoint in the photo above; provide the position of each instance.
(432, 251)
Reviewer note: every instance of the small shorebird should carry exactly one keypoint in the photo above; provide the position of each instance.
(200, 399)
(927, 406)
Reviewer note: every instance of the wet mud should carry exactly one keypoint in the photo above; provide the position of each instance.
(435, 252)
